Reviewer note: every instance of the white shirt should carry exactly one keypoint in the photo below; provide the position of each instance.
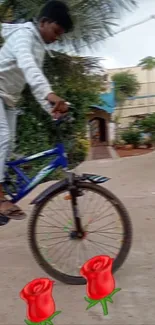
(21, 62)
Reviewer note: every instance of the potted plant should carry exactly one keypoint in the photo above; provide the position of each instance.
(118, 144)
(131, 138)
(147, 125)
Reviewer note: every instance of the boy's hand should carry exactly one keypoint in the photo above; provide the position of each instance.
(60, 107)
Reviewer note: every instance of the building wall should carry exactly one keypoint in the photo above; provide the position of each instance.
(138, 106)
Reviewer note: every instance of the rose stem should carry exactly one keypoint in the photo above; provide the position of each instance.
(104, 306)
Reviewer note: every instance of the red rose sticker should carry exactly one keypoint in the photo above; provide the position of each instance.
(40, 303)
(100, 281)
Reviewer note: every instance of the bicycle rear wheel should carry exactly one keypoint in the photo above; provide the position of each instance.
(51, 234)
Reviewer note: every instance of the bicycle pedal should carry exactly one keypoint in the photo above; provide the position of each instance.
(3, 220)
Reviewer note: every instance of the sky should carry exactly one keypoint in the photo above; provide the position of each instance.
(127, 48)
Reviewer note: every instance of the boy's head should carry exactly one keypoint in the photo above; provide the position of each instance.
(54, 20)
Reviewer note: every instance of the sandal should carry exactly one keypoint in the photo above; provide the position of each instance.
(14, 212)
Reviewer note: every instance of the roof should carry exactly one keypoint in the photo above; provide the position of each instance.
(109, 103)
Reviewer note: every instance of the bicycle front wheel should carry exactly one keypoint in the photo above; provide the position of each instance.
(105, 222)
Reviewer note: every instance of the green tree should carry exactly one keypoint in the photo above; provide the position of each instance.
(71, 78)
(7, 14)
(93, 20)
(126, 85)
(148, 64)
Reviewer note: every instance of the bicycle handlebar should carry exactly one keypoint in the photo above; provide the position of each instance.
(67, 118)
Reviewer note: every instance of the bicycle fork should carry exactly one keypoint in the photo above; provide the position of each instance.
(74, 194)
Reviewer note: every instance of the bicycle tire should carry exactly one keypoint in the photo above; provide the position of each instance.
(126, 243)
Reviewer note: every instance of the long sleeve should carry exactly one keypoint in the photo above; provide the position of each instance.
(22, 50)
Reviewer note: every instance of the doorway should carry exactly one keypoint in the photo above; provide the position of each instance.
(98, 130)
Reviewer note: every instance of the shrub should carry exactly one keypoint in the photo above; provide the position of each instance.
(33, 138)
(77, 150)
(148, 125)
(132, 136)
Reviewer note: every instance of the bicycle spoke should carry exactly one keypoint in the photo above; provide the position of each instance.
(105, 236)
(84, 252)
(99, 213)
(84, 204)
(55, 251)
(93, 248)
(104, 227)
(67, 260)
(108, 232)
(56, 220)
(102, 218)
(43, 239)
(51, 232)
(49, 222)
(101, 244)
(49, 226)
(57, 209)
(55, 224)
(59, 256)
(96, 246)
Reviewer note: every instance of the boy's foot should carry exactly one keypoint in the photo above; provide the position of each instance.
(10, 210)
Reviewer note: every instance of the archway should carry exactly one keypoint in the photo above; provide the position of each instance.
(98, 130)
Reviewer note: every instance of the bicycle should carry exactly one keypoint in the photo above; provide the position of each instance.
(72, 193)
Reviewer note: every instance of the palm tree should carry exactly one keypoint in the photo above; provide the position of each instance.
(126, 85)
(148, 64)
(93, 20)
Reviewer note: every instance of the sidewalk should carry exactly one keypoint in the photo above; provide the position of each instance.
(133, 180)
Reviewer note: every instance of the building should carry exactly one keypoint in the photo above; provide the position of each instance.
(100, 125)
(144, 102)
(99, 117)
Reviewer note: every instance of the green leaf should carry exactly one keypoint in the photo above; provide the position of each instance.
(109, 299)
(92, 304)
(45, 322)
(87, 299)
(115, 290)
(28, 322)
(55, 314)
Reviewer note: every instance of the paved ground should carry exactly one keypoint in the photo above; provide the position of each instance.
(100, 152)
(133, 180)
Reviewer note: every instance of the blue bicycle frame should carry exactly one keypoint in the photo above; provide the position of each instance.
(24, 184)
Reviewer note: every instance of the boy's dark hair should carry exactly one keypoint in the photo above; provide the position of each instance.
(58, 12)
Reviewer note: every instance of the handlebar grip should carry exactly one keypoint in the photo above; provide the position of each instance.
(67, 118)
(49, 106)
(53, 104)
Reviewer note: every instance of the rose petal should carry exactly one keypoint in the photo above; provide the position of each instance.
(30, 289)
(89, 265)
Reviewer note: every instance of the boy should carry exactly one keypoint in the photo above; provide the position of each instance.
(21, 61)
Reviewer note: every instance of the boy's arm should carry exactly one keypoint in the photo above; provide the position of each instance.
(22, 50)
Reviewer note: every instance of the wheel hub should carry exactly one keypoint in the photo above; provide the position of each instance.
(77, 235)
